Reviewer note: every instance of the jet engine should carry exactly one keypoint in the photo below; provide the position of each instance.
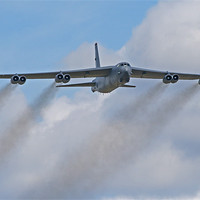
(22, 80)
(175, 78)
(18, 79)
(14, 79)
(59, 78)
(66, 78)
(167, 79)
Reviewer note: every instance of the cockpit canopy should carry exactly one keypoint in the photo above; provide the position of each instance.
(123, 64)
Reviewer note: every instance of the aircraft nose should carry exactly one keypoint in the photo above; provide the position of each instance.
(125, 77)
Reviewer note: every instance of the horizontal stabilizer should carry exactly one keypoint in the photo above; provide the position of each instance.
(131, 86)
(88, 84)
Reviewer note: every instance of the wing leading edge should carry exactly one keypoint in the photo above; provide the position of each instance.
(154, 74)
(83, 73)
(102, 72)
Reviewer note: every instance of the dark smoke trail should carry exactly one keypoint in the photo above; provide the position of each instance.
(101, 148)
(44, 98)
(25, 122)
(169, 109)
(118, 144)
(5, 93)
(112, 147)
(141, 105)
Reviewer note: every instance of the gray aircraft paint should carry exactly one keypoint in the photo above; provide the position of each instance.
(107, 78)
(117, 78)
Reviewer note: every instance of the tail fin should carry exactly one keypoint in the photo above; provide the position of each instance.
(97, 61)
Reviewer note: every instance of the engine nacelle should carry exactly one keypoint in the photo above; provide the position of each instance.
(18, 79)
(14, 79)
(22, 80)
(66, 78)
(59, 78)
(167, 79)
(175, 78)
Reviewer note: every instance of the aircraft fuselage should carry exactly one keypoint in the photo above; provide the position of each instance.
(118, 76)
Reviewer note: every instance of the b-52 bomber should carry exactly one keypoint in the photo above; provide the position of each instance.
(107, 78)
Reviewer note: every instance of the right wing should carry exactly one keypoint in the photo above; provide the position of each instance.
(154, 74)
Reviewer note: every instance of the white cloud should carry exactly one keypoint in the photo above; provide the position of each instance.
(125, 159)
(84, 56)
(169, 37)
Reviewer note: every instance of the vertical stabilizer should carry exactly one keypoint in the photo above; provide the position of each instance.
(97, 61)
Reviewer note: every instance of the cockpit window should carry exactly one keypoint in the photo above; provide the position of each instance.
(123, 64)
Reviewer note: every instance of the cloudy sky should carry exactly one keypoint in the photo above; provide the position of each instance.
(140, 143)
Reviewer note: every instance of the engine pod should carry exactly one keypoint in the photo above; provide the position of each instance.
(22, 80)
(14, 79)
(167, 79)
(175, 78)
(59, 78)
(66, 78)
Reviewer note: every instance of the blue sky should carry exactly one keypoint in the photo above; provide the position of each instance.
(36, 35)
(152, 147)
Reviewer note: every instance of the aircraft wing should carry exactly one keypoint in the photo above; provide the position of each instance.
(154, 74)
(82, 73)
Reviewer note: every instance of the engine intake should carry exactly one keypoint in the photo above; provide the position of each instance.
(59, 78)
(167, 79)
(18, 79)
(66, 78)
(14, 79)
(175, 78)
(22, 80)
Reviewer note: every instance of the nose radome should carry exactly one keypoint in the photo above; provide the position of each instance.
(127, 77)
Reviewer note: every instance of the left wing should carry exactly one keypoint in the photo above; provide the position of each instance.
(154, 74)
(82, 73)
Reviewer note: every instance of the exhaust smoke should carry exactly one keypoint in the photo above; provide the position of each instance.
(141, 105)
(5, 93)
(102, 154)
(171, 107)
(111, 148)
(17, 132)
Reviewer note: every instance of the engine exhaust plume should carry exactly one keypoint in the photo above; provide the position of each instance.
(171, 107)
(115, 146)
(95, 160)
(23, 124)
(5, 92)
(112, 147)
(140, 105)
(44, 98)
